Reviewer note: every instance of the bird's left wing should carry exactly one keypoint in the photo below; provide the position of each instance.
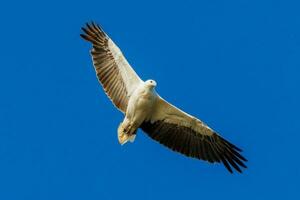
(115, 74)
(188, 135)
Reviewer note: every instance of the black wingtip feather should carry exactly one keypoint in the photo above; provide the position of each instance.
(210, 148)
(227, 166)
(84, 37)
(88, 25)
(85, 30)
(231, 145)
(232, 163)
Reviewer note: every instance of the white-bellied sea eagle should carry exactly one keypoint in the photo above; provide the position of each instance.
(144, 108)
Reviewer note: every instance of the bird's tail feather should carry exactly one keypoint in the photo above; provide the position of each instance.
(125, 134)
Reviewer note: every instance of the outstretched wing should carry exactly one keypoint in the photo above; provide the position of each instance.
(115, 74)
(186, 134)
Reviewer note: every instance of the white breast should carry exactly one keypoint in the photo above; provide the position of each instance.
(140, 104)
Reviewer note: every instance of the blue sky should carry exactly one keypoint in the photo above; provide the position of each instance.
(235, 65)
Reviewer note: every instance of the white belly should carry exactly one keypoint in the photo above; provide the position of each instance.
(140, 105)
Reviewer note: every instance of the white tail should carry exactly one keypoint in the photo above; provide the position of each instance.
(125, 133)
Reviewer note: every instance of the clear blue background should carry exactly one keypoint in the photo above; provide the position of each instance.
(233, 64)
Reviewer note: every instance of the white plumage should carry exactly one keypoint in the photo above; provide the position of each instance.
(144, 108)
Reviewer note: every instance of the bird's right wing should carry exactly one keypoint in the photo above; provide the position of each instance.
(188, 135)
(115, 74)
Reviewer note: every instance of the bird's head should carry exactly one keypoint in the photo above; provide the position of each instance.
(150, 83)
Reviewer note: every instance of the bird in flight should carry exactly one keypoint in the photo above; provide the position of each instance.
(145, 109)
